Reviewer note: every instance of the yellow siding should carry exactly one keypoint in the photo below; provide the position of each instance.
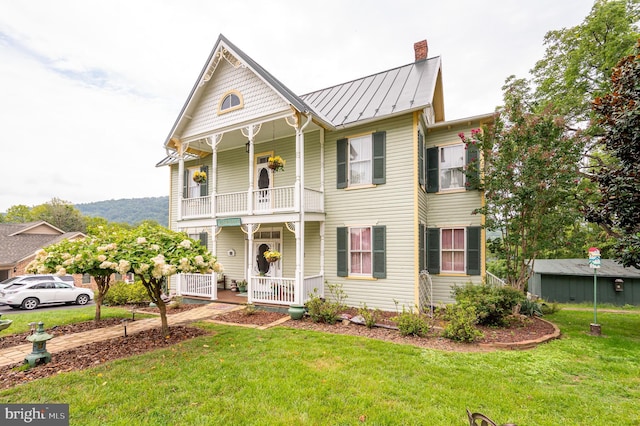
(259, 100)
(389, 204)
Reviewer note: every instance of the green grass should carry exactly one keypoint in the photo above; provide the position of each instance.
(280, 376)
(62, 316)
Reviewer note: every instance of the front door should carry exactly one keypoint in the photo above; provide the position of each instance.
(260, 265)
(264, 182)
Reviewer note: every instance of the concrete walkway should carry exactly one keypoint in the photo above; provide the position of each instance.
(17, 354)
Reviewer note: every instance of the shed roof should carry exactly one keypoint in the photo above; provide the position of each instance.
(580, 267)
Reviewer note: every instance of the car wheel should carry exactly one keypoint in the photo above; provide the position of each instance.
(83, 299)
(30, 303)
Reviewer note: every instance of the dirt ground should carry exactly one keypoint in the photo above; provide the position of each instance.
(94, 354)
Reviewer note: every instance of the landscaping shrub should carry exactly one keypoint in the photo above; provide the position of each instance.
(412, 323)
(530, 308)
(323, 310)
(492, 304)
(122, 293)
(549, 308)
(461, 326)
(371, 316)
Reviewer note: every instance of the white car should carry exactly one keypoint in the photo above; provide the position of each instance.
(23, 279)
(31, 295)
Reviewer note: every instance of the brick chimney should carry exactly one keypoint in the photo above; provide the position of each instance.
(421, 49)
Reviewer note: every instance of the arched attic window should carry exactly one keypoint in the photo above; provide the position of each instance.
(230, 101)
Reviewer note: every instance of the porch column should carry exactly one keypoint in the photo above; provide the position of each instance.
(299, 197)
(214, 181)
(250, 132)
(249, 260)
(180, 184)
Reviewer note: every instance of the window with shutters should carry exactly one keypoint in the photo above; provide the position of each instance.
(361, 251)
(446, 167)
(361, 160)
(454, 250)
(230, 101)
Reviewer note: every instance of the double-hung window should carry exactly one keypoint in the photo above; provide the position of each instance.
(361, 160)
(361, 251)
(453, 248)
(452, 167)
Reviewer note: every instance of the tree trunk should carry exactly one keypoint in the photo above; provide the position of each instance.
(103, 286)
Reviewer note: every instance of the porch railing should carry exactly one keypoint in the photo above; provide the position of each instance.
(282, 291)
(201, 285)
(493, 280)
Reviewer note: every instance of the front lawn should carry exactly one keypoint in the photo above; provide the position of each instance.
(284, 376)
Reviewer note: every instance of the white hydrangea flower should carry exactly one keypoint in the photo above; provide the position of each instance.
(141, 240)
(102, 257)
(186, 244)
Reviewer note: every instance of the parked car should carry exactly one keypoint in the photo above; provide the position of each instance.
(22, 279)
(33, 294)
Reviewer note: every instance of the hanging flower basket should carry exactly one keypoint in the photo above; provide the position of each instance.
(272, 255)
(199, 177)
(276, 163)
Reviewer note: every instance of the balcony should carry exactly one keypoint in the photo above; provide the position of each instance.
(265, 202)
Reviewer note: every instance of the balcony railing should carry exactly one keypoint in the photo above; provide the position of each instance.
(265, 201)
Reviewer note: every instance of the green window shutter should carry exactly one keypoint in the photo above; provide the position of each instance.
(379, 142)
(185, 184)
(420, 158)
(474, 253)
(433, 250)
(341, 161)
(204, 187)
(472, 157)
(343, 251)
(379, 251)
(421, 247)
(432, 170)
(204, 239)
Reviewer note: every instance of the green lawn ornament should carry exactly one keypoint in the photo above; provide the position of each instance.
(4, 323)
(39, 353)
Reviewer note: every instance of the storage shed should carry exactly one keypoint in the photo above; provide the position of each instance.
(571, 281)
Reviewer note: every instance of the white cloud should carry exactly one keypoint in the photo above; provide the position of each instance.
(90, 89)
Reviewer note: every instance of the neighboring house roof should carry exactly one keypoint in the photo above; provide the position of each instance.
(580, 267)
(399, 90)
(19, 241)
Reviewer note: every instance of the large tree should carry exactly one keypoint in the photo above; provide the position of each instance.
(528, 171)
(578, 61)
(618, 173)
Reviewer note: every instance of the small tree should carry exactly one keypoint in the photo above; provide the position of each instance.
(154, 253)
(528, 170)
(94, 256)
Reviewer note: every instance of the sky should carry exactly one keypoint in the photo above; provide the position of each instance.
(89, 89)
